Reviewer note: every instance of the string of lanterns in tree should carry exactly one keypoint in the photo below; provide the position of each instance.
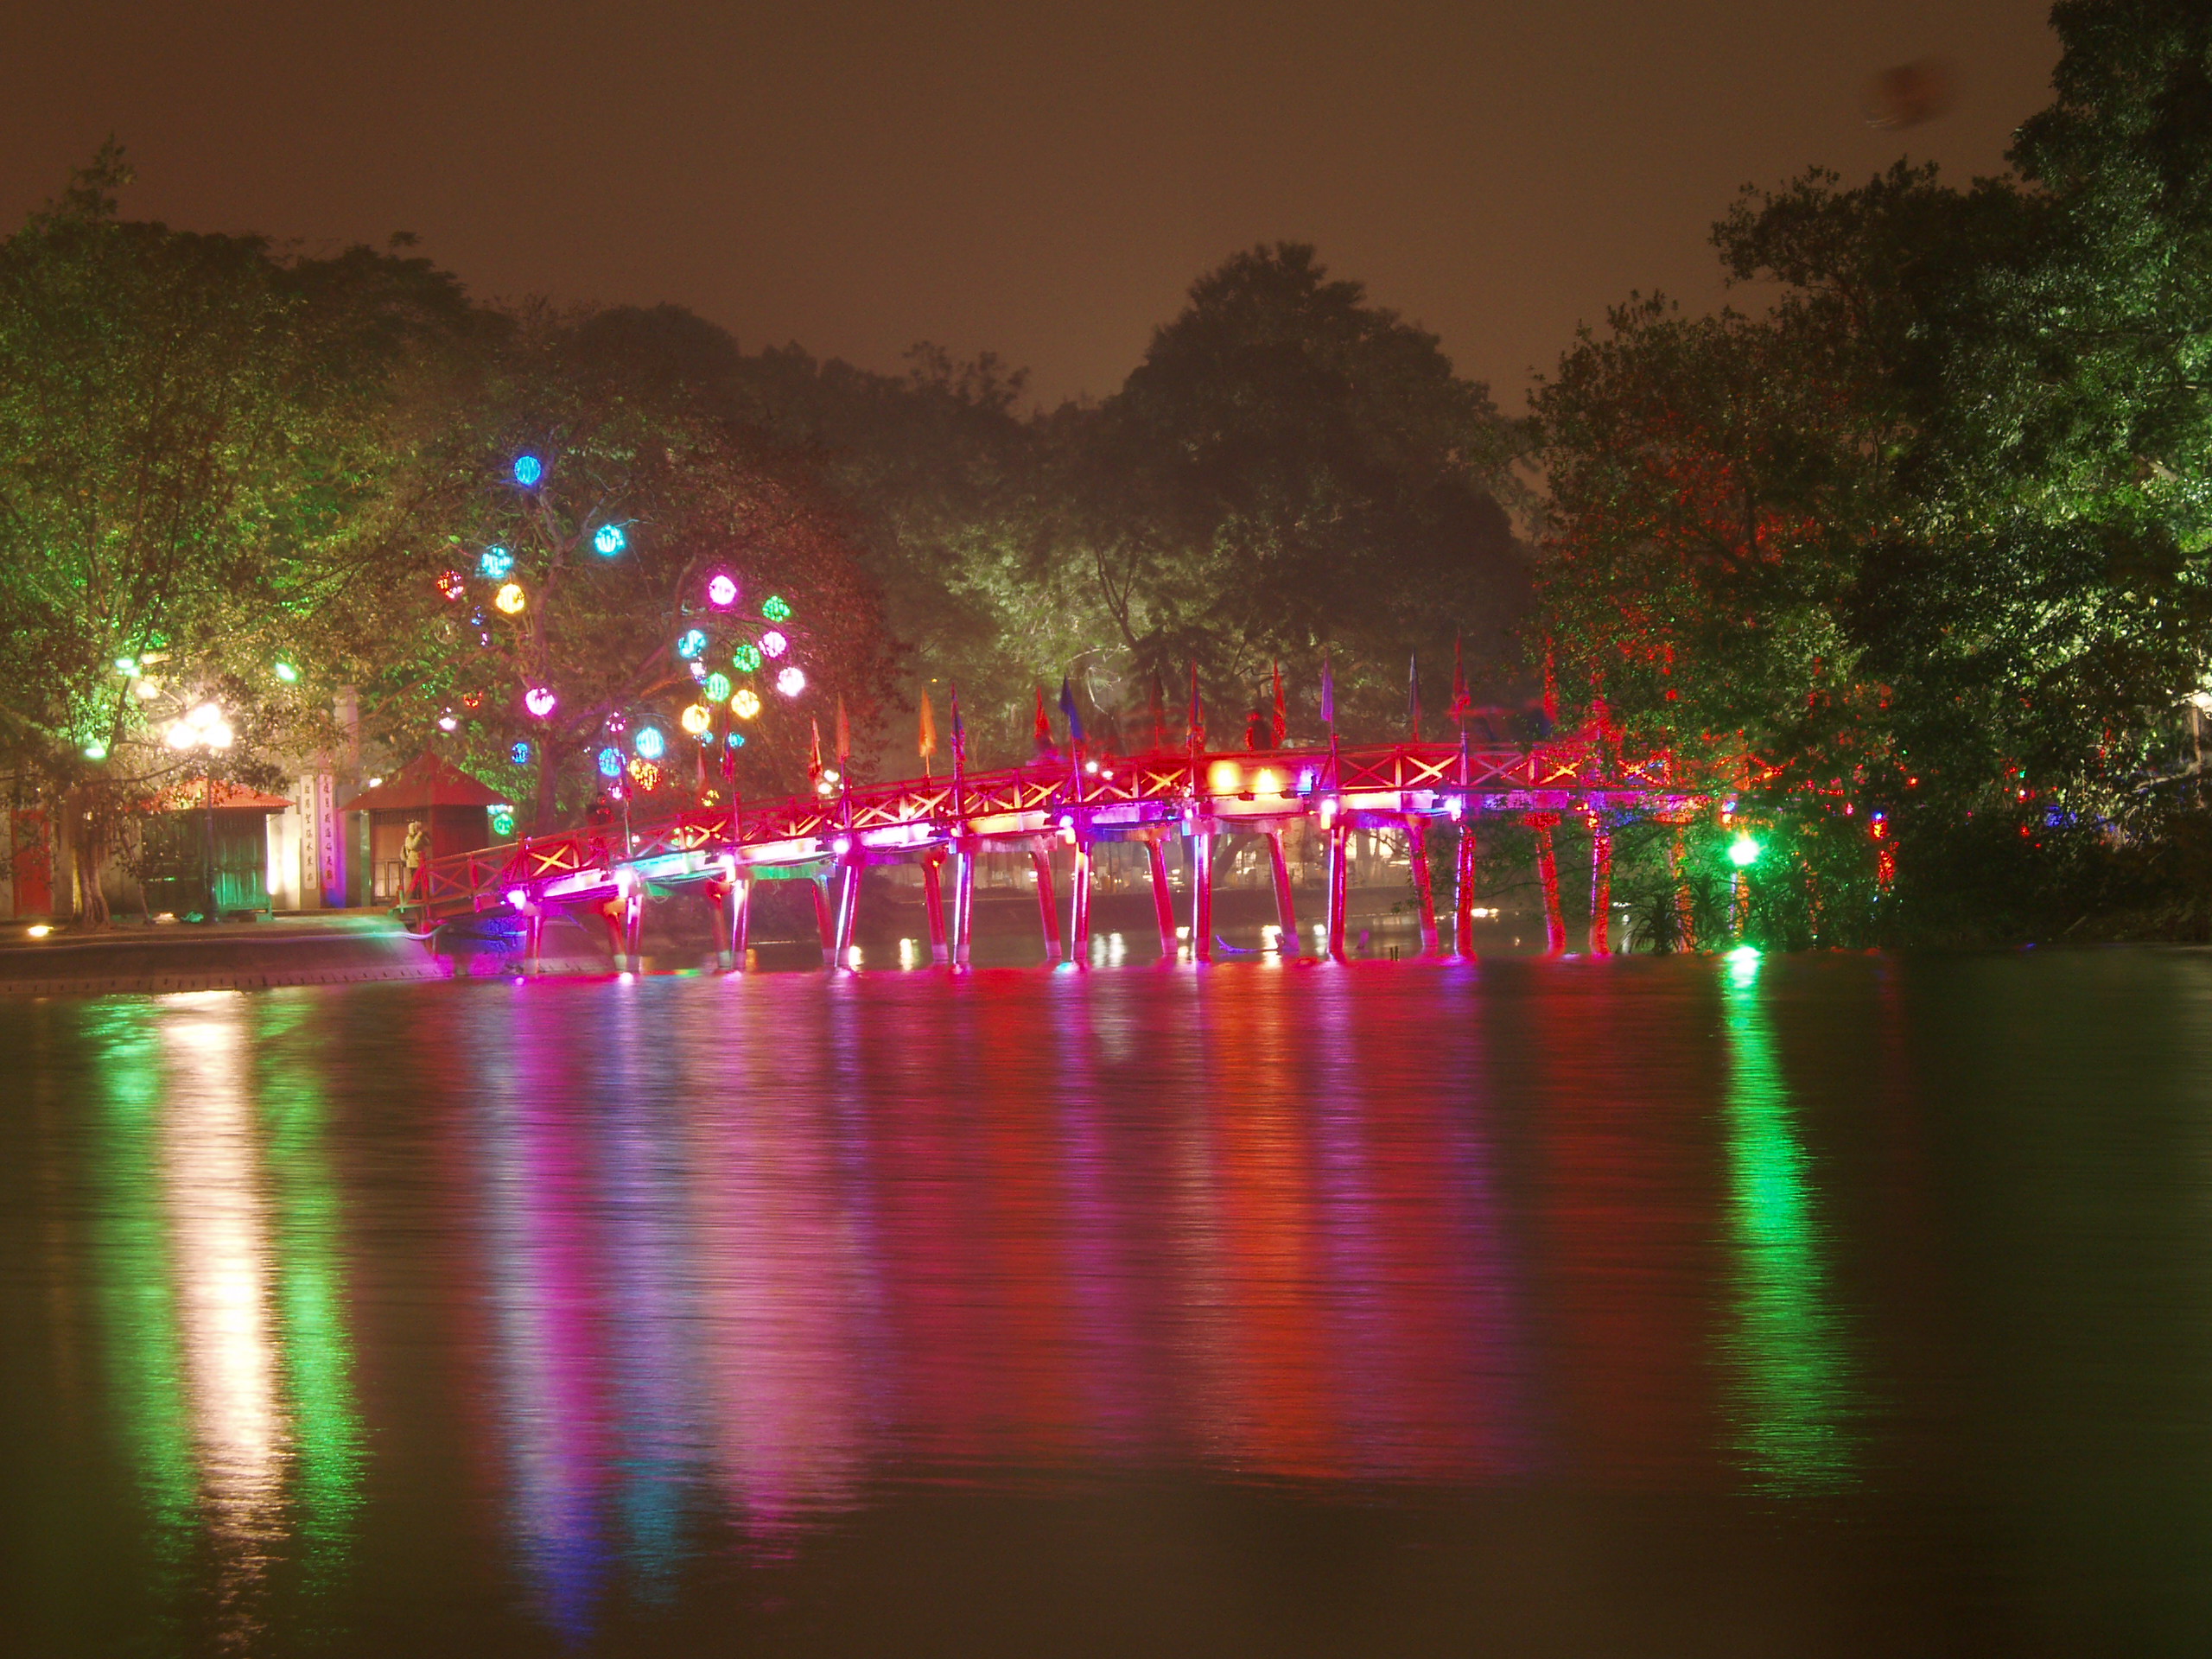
(722, 644)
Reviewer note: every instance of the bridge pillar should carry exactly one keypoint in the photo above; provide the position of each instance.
(633, 929)
(1202, 895)
(1285, 906)
(819, 886)
(733, 903)
(1339, 851)
(964, 904)
(1163, 896)
(933, 902)
(534, 940)
(1548, 870)
(1424, 889)
(1685, 910)
(1463, 896)
(849, 905)
(1079, 907)
(1601, 887)
(1048, 904)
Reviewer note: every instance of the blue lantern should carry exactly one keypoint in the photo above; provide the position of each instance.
(496, 564)
(690, 644)
(737, 739)
(610, 763)
(651, 745)
(519, 754)
(610, 540)
(528, 470)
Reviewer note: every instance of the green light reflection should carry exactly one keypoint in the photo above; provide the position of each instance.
(1793, 1384)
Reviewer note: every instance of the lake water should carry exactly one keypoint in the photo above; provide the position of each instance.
(1842, 1305)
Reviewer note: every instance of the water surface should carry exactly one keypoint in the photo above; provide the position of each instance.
(1820, 1305)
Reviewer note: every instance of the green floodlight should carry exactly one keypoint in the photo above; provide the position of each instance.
(287, 673)
(95, 750)
(127, 665)
(1742, 852)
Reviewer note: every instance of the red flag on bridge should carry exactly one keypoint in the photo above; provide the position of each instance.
(925, 740)
(814, 755)
(844, 735)
(1041, 734)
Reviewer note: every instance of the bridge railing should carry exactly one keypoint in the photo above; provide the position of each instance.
(480, 879)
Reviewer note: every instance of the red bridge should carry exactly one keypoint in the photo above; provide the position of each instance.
(1148, 798)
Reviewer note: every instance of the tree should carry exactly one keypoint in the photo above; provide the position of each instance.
(549, 607)
(182, 466)
(1292, 471)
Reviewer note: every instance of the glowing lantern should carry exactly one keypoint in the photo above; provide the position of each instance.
(1742, 852)
(649, 743)
(722, 590)
(716, 686)
(690, 644)
(746, 658)
(447, 723)
(610, 763)
(287, 673)
(539, 700)
(791, 681)
(775, 609)
(519, 754)
(1224, 778)
(511, 599)
(746, 704)
(451, 585)
(644, 774)
(737, 739)
(496, 564)
(774, 644)
(610, 540)
(695, 718)
(95, 750)
(529, 470)
(503, 820)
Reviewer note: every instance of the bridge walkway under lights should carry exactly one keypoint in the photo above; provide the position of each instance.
(1420, 788)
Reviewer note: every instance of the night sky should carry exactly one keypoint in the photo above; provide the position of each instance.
(1040, 180)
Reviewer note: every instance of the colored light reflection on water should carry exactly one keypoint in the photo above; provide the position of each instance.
(1575, 1306)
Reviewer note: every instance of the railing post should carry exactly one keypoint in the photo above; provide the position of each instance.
(1463, 897)
(1163, 896)
(1201, 894)
(933, 902)
(1548, 870)
(1048, 909)
(1285, 906)
(1601, 885)
(1417, 855)
(1079, 906)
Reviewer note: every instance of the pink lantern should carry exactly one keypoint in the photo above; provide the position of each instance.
(722, 590)
(539, 700)
(774, 644)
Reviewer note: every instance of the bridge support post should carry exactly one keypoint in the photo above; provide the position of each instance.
(964, 904)
(1202, 895)
(534, 941)
(1601, 887)
(1463, 895)
(849, 906)
(1079, 907)
(1285, 906)
(633, 929)
(1685, 910)
(1424, 889)
(819, 885)
(933, 902)
(1048, 904)
(1163, 896)
(1340, 853)
(736, 903)
(1547, 871)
